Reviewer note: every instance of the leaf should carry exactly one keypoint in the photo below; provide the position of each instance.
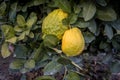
(115, 24)
(45, 78)
(116, 45)
(32, 20)
(29, 64)
(73, 18)
(64, 61)
(18, 29)
(77, 9)
(13, 11)
(103, 45)
(23, 77)
(24, 70)
(22, 36)
(88, 37)
(102, 2)
(115, 67)
(17, 64)
(82, 24)
(52, 68)
(37, 54)
(92, 26)
(106, 14)
(50, 40)
(8, 31)
(89, 10)
(31, 35)
(20, 51)
(20, 20)
(5, 50)
(12, 40)
(38, 2)
(72, 76)
(108, 31)
(64, 5)
(2, 8)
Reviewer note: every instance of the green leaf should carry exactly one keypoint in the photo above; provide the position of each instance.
(23, 77)
(2, 8)
(92, 26)
(45, 78)
(115, 24)
(77, 9)
(24, 70)
(116, 45)
(82, 24)
(32, 20)
(108, 31)
(88, 37)
(106, 14)
(20, 51)
(64, 61)
(29, 64)
(73, 18)
(72, 76)
(52, 68)
(13, 11)
(50, 40)
(102, 2)
(115, 67)
(20, 20)
(17, 64)
(89, 10)
(105, 46)
(38, 2)
(37, 53)
(64, 5)
(5, 50)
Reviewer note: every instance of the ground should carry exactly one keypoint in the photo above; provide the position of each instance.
(5, 74)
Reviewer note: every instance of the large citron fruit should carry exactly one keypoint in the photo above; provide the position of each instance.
(73, 42)
(52, 24)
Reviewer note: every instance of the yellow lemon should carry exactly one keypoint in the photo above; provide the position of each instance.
(52, 24)
(73, 42)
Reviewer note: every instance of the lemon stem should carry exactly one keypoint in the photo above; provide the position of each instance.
(69, 26)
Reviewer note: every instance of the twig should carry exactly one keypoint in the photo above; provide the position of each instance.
(65, 72)
(77, 65)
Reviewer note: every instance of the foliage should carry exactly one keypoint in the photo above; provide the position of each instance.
(21, 37)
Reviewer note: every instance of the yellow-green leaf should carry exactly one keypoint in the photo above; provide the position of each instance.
(5, 50)
(29, 64)
(20, 20)
(31, 20)
(2, 8)
(12, 40)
